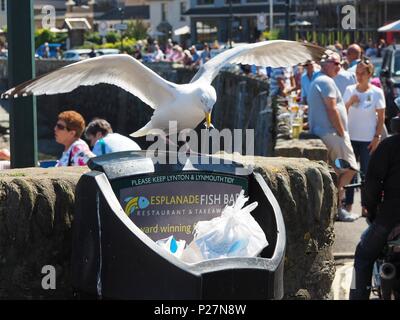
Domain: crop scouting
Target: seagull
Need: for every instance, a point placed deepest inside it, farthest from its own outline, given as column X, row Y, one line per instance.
column 186, row 104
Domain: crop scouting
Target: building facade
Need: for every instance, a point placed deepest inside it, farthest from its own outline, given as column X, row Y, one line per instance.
column 218, row 19
column 168, row 19
column 222, row 20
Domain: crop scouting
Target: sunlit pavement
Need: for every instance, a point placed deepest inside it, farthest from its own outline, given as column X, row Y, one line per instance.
column 347, row 236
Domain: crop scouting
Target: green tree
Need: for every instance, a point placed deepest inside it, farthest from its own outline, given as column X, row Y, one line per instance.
column 112, row 37
column 136, row 30
column 93, row 37
column 45, row 35
column 274, row 34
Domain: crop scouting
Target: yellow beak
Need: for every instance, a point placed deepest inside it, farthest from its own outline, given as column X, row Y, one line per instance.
column 208, row 119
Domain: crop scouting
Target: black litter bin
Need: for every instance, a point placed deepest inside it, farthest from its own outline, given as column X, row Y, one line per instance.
column 127, row 202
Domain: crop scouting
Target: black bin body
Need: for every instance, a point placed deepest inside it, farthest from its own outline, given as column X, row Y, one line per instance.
column 113, row 258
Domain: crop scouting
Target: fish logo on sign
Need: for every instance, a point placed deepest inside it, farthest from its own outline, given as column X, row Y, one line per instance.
column 133, row 203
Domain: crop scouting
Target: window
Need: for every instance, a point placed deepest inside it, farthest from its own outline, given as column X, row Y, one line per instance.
column 3, row 5
column 203, row 2
column 183, row 10
column 207, row 31
column 163, row 12
column 233, row 1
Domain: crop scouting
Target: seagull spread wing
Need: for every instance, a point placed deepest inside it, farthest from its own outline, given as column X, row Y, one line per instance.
column 120, row 70
column 276, row 53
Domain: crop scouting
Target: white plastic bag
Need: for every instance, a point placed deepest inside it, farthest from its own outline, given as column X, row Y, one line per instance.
column 172, row 246
column 234, row 234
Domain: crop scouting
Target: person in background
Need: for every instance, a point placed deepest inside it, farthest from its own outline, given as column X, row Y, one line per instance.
column 298, row 73
column 187, row 58
column 5, row 154
column 344, row 79
column 371, row 50
column 92, row 53
column 59, row 54
column 103, row 140
column 5, row 157
column 365, row 104
column 205, row 55
column 46, row 50
column 328, row 119
column 169, row 50
column 282, row 82
column 157, row 54
column 308, row 76
column 177, row 55
column 67, row 131
column 195, row 56
column 137, row 53
column 353, row 56
column 338, row 47
column 381, row 45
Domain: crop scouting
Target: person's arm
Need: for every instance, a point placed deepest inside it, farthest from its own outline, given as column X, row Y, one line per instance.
column 293, row 85
column 378, row 131
column 352, row 100
column 349, row 98
column 333, row 115
column 303, row 91
column 281, row 84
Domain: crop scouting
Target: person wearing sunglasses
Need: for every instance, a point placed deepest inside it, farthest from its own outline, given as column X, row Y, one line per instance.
column 67, row 131
column 328, row 120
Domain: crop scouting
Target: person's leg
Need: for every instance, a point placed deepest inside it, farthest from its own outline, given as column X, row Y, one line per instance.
column 349, row 200
column 340, row 148
column 345, row 178
column 367, row 251
column 364, row 160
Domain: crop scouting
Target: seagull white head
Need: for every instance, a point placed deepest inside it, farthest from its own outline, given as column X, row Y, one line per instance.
column 208, row 97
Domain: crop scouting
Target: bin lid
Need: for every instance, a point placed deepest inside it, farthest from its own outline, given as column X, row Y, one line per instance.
column 128, row 163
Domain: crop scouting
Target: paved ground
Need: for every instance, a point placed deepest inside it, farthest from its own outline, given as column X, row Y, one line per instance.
column 348, row 233
column 347, row 238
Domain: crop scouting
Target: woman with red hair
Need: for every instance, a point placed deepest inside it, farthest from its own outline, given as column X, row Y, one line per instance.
column 67, row 131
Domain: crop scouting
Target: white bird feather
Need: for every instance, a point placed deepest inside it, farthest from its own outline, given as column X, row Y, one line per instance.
column 186, row 104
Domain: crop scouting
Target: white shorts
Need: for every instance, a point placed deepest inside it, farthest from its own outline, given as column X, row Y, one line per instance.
column 340, row 148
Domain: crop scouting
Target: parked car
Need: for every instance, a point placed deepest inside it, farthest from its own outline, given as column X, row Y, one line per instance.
column 102, row 52
column 52, row 50
column 76, row 54
column 390, row 79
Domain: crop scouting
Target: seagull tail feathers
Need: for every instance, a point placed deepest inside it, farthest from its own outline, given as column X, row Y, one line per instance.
column 146, row 130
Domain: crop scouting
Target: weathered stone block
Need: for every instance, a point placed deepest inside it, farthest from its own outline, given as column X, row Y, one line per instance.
column 313, row 149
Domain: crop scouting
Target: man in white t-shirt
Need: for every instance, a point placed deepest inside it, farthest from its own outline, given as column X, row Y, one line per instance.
column 103, row 140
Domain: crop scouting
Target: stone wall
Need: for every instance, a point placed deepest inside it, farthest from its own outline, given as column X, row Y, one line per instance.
column 37, row 207
column 242, row 104
column 312, row 149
